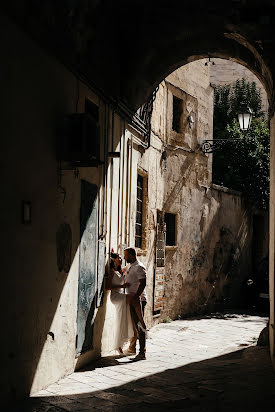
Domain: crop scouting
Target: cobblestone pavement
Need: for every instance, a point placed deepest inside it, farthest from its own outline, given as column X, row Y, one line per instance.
column 205, row 364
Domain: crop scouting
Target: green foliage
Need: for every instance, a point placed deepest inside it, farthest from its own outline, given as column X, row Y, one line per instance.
column 243, row 164
column 167, row 320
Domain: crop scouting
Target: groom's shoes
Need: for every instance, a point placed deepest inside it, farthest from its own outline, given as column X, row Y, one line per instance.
column 140, row 356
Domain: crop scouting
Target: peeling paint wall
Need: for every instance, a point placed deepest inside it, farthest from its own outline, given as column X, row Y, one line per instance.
column 178, row 178
column 214, row 228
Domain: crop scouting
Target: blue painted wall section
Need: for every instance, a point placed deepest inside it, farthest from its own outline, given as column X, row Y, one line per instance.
column 87, row 266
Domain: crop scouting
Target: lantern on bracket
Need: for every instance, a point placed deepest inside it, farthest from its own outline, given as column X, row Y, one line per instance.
column 244, row 117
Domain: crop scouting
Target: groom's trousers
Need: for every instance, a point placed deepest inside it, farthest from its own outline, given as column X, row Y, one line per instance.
column 141, row 334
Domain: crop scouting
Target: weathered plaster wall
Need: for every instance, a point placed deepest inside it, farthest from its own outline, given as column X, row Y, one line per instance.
column 36, row 91
column 212, row 255
column 40, row 324
column 177, row 182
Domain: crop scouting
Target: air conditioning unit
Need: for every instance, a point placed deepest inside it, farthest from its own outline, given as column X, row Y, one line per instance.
column 79, row 141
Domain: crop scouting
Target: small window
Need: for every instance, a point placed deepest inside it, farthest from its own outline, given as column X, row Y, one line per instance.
column 139, row 213
column 170, row 220
column 177, row 113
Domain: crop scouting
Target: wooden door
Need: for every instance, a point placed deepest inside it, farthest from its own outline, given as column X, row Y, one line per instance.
column 87, row 266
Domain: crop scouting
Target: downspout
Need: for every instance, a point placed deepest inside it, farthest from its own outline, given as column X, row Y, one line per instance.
column 130, row 192
column 122, row 161
column 119, row 190
column 149, row 136
column 166, row 115
column 122, row 184
column 111, row 201
column 111, row 187
column 106, row 139
column 127, row 193
column 102, row 232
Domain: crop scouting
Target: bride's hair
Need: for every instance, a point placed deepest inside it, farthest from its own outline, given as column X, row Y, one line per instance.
column 112, row 261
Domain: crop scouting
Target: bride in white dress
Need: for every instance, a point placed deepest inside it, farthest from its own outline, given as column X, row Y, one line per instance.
column 118, row 328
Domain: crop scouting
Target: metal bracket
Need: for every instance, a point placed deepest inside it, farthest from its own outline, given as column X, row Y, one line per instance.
column 208, row 146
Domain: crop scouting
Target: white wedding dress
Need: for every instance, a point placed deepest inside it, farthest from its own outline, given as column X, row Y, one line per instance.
column 118, row 328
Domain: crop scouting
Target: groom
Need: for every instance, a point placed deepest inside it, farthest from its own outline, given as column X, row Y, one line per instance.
column 136, row 277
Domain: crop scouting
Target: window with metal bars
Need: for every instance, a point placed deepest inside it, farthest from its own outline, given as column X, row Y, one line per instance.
column 139, row 213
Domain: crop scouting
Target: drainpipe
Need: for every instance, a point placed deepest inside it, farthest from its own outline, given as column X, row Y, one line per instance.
column 111, row 201
column 166, row 115
column 119, row 187
column 149, row 137
column 127, row 192
column 105, row 170
column 122, row 160
column 111, row 187
column 130, row 192
column 102, row 232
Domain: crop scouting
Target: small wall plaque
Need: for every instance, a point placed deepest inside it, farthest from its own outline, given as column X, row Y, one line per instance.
column 26, row 212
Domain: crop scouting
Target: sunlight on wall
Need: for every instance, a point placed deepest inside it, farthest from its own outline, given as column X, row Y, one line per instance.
column 59, row 347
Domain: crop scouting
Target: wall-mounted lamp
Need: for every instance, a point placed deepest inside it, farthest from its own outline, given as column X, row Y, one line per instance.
column 26, row 212
column 245, row 117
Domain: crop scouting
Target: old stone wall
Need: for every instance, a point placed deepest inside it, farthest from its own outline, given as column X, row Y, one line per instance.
column 214, row 228
column 178, row 174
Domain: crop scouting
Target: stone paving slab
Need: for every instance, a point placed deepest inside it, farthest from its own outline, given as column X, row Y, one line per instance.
column 202, row 364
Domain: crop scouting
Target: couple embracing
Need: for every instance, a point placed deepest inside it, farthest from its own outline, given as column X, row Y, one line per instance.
column 129, row 299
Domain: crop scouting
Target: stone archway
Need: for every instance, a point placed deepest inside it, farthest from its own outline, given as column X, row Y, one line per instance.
column 124, row 49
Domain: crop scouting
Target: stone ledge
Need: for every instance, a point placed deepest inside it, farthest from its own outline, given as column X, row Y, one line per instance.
column 226, row 190
column 171, row 248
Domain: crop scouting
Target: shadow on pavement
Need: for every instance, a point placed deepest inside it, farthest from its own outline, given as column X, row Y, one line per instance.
column 242, row 315
column 238, row 381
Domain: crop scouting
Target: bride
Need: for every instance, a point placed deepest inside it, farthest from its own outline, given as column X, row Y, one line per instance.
column 118, row 328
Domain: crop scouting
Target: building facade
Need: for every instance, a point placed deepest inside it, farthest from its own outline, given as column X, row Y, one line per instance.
column 207, row 254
